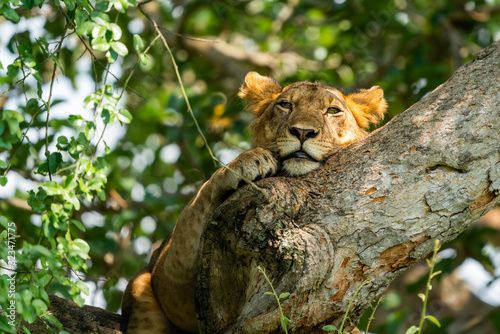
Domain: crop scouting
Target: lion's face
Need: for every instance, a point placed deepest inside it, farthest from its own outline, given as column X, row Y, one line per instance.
column 303, row 122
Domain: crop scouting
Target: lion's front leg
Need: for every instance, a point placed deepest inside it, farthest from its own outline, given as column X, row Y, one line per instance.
column 174, row 272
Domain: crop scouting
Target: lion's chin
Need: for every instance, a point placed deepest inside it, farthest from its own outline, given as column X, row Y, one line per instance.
column 298, row 166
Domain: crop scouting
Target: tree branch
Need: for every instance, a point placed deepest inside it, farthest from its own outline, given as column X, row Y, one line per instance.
column 372, row 211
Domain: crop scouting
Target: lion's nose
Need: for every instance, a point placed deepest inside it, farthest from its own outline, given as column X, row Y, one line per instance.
column 303, row 134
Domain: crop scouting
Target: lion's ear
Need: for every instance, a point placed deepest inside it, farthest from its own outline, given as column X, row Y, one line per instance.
column 368, row 106
column 258, row 91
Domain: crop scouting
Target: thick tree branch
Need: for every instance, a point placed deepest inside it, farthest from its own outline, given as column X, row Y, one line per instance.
column 370, row 213
column 79, row 320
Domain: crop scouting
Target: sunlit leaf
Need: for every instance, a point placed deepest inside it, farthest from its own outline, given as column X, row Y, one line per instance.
column 99, row 31
column 117, row 31
column 100, row 44
column 124, row 116
column 433, row 320
column 138, row 43
column 119, row 48
column 85, row 28
column 412, row 330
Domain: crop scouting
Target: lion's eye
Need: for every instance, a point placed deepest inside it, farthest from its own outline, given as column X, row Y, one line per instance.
column 285, row 105
column 333, row 110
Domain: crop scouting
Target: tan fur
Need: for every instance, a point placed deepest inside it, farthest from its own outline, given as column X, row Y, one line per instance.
column 293, row 133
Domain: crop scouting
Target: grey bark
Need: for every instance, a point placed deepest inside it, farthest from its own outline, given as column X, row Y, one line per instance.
column 375, row 209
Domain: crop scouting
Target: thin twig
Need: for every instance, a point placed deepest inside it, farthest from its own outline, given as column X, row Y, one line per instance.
column 22, row 69
column 53, row 79
column 190, row 110
column 197, row 39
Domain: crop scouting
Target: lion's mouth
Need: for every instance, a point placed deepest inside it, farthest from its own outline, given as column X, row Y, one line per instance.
column 299, row 155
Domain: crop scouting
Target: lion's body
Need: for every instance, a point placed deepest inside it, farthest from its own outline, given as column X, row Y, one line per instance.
column 296, row 129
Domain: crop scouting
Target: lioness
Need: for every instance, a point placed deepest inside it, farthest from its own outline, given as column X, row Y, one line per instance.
column 296, row 129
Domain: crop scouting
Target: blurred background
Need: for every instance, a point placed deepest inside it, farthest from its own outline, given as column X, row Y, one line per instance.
column 158, row 161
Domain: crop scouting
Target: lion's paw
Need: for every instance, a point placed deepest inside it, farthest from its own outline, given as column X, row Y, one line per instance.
column 251, row 165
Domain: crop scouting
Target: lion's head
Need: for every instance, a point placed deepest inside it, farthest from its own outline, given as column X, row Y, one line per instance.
column 302, row 123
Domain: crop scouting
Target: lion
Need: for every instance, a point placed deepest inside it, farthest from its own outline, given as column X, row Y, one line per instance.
column 297, row 127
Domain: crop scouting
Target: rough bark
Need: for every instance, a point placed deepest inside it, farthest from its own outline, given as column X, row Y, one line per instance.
column 375, row 209
column 370, row 213
column 79, row 320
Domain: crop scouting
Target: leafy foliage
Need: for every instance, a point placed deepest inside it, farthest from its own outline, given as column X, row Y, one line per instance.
column 95, row 176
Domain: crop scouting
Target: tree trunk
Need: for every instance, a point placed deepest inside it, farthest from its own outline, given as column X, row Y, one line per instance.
column 373, row 210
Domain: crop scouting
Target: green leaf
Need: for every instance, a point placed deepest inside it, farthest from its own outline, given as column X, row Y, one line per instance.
column 3, row 181
column 53, row 188
column 100, row 44
column 43, row 168
column 329, row 328
column 58, row 63
column 284, row 295
column 39, row 90
column 62, row 140
column 78, row 225
column 41, row 194
column 144, row 58
column 101, row 19
column 432, row 319
column 99, row 31
column 32, row 104
column 101, row 194
column 55, row 160
column 124, row 116
column 9, row 13
column 85, row 27
column 13, row 118
column 36, row 75
column 421, row 296
column 284, row 321
column 42, row 250
column 39, row 305
column 3, row 164
column 70, row 4
column 138, row 43
column 106, row 115
column 82, row 248
column 116, row 30
column 75, row 118
column 29, row 62
column 4, row 143
column 119, row 48
column 12, row 71
column 412, row 330
column 83, row 287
